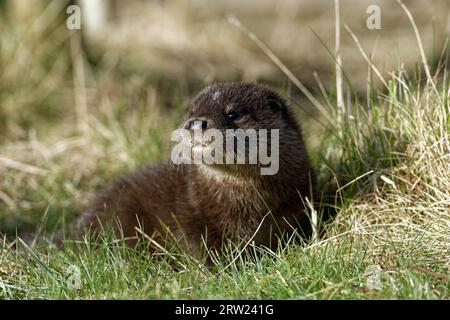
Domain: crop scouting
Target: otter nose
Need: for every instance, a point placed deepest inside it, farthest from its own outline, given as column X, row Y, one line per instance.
column 198, row 124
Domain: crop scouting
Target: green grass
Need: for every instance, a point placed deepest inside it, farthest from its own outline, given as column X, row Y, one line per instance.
column 384, row 167
column 331, row 271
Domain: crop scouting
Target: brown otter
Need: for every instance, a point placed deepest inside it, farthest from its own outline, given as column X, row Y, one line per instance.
column 223, row 201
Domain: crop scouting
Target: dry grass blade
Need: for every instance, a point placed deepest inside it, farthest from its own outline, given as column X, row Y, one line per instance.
column 245, row 246
column 272, row 56
column 79, row 82
column 338, row 67
column 13, row 164
column 419, row 43
column 160, row 247
column 369, row 62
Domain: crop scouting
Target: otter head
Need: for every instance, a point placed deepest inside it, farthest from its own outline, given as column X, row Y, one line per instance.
column 244, row 128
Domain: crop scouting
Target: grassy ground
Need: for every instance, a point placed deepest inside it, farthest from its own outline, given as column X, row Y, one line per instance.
column 384, row 165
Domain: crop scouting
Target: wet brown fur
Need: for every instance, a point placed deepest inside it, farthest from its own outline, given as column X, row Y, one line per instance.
column 223, row 201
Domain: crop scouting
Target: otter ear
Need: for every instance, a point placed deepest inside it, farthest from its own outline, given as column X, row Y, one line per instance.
column 275, row 104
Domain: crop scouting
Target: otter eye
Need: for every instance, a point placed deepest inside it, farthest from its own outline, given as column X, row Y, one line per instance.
column 231, row 116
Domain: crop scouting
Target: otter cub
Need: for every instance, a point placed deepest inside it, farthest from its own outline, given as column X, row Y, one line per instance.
column 210, row 203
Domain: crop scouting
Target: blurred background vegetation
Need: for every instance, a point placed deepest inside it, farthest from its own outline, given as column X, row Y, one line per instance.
column 79, row 107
